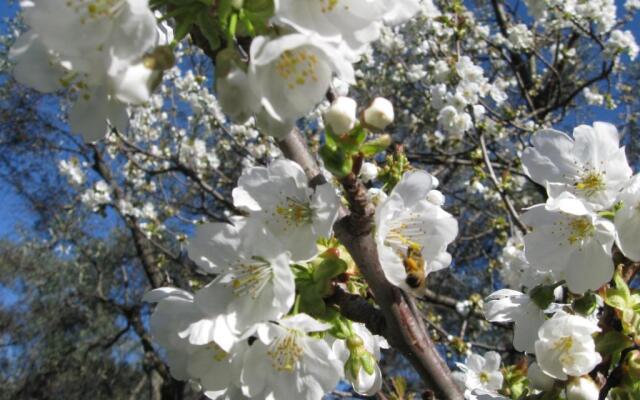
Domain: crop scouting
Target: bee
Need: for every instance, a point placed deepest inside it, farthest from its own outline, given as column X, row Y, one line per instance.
column 414, row 267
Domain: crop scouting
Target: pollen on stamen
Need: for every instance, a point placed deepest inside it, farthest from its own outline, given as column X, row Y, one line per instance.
column 581, row 228
column 285, row 352
column 295, row 212
column 591, row 182
column 250, row 279
column 297, row 67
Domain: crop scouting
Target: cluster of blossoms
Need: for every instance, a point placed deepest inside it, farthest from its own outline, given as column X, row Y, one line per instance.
column 592, row 204
column 288, row 74
column 243, row 334
column 106, row 53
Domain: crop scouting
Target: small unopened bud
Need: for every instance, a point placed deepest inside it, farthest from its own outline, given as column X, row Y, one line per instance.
column 379, row 114
column 582, row 388
column 538, row 379
column 354, row 342
column 237, row 4
column 341, row 115
column 368, row 172
column 435, row 197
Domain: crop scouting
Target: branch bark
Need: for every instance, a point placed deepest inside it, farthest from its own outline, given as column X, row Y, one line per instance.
column 401, row 326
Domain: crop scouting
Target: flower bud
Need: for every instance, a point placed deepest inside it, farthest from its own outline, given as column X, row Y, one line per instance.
column 538, row 379
column 435, row 197
column 582, row 388
column 368, row 172
column 354, row 343
column 379, row 114
column 341, row 115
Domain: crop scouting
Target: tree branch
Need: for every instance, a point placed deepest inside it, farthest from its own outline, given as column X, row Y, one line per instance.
column 402, row 328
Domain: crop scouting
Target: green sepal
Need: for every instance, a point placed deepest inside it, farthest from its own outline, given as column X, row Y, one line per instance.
column 612, row 343
column 336, row 161
column 375, row 146
column 329, row 269
column 543, row 296
column 368, row 362
column 586, row 304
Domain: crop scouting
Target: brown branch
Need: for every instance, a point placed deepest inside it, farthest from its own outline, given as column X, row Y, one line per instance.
column 401, row 327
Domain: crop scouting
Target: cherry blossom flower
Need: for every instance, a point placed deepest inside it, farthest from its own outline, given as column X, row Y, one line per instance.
column 278, row 198
column 254, row 282
column 627, row 220
column 355, row 22
column 290, row 74
column 341, row 115
column 508, row 305
column 286, row 363
column 413, row 232
column 591, row 165
column 576, row 247
column 565, row 346
column 480, row 372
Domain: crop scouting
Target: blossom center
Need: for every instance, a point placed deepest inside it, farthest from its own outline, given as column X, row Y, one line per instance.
column 564, row 346
column 329, row 5
column 285, row 352
column 404, row 233
column 484, row 377
column 591, row 182
column 297, row 67
column 295, row 212
column 95, row 9
column 250, row 279
column 217, row 352
column 581, row 228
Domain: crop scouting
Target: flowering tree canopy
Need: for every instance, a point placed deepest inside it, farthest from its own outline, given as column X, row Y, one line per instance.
column 276, row 199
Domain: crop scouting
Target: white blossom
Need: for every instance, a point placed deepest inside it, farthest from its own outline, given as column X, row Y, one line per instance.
column 290, row 74
column 582, row 388
column 508, row 305
column 254, row 280
column 591, row 165
column 278, row 199
column 413, row 232
column 480, row 372
column 286, row 363
column 627, row 220
column 576, row 247
column 565, row 346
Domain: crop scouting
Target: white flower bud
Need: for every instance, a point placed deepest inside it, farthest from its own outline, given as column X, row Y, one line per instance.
column 368, row 172
column 379, row 114
column 435, row 197
column 341, row 115
column 538, row 379
column 582, row 388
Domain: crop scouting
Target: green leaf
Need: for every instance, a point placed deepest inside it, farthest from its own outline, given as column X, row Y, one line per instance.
column 209, row 31
column 329, row 269
column 336, row 161
column 613, row 343
column 616, row 299
column 375, row 146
